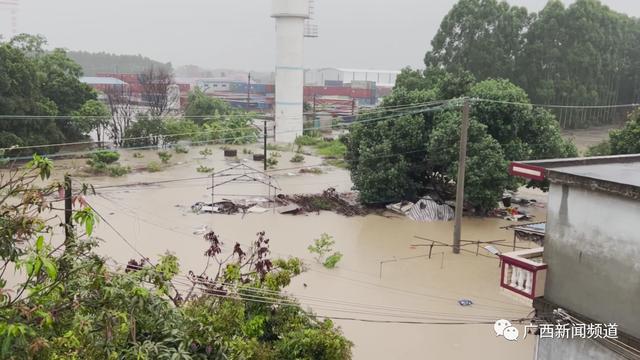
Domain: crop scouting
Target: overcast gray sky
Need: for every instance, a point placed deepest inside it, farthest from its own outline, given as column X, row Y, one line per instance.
column 377, row 34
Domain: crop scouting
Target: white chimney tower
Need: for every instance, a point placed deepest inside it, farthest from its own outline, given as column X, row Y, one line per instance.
column 290, row 18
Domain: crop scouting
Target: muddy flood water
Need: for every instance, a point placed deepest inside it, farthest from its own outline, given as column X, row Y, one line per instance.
column 412, row 291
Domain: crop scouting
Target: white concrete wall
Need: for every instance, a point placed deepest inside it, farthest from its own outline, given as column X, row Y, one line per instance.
column 592, row 248
column 290, row 16
column 574, row 349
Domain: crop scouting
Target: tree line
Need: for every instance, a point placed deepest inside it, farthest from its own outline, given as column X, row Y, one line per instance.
column 581, row 54
column 102, row 62
column 38, row 83
column 43, row 102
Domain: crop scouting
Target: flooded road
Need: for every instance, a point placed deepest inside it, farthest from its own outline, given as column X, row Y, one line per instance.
column 414, row 295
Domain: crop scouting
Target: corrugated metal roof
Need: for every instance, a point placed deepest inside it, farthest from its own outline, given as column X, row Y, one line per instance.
column 97, row 80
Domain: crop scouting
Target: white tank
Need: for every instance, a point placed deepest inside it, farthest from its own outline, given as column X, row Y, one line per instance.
column 290, row 16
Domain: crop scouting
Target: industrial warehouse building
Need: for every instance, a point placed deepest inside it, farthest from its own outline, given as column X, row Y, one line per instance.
column 340, row 76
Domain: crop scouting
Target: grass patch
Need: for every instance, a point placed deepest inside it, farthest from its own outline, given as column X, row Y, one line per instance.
column 154, row 166
column 314, row 170
column 180, row 149
column 339, row 163
column 276, row 147
column 204, row 169
column 206, row 152
column 321, row 203
column 272, row 162
column 164, row 156
column 332, row 149
column 297, row 158
column 117, row 170
column 105, row 156
column 308, row 140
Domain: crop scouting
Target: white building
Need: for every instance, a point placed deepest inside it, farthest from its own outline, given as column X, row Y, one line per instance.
column 290, row 16
column 320, row 77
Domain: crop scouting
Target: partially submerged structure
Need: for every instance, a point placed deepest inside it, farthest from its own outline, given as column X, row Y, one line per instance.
column 425, row 209
column 587, row 275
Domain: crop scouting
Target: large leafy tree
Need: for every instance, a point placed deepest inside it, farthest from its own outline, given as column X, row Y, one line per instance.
column 39, row 83
column 481, row 36
column 523, row 131
column 627, row 139
column 386, row 158
column 486, row 177
column 201, row 106
column 621, row 141
column 583, row 54
column 92, row 116
column 397, row 154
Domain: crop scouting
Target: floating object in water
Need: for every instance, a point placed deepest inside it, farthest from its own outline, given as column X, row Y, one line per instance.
column 465, row 302
column 201, row 231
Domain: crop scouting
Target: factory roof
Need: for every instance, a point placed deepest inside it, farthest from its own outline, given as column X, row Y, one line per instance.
column 362, row 70
column 618, row 174
column 98, row 80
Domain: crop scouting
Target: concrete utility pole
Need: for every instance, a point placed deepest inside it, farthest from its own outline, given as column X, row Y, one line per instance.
column 68, row 211
column 264, row 149
column 464, row 127
column 249, row 92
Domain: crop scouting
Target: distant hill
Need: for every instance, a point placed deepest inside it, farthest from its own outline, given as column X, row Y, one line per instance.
column 102, row 62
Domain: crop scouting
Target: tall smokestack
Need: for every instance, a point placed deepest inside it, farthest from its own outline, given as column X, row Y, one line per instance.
column 290, row 18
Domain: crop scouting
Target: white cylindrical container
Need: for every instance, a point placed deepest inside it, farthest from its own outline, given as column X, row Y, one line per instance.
column 289, row 101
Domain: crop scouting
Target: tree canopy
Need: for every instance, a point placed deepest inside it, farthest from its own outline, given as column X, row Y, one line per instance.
column 38, row 83
column 583, row 54
column 200, row 105
column 397, row 154
column 102, row 62
column 621, row 141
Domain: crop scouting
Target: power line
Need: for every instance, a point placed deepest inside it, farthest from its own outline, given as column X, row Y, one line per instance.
column 288, row 302
column 119, row 234
column 436, row 297
column 232, row 115
column 554, row 105
column 198, row 133
column 267, row 292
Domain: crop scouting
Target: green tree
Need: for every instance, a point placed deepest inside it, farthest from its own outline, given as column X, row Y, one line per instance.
column 102, row 62
column 390, row 161
column 92, row 116
column 524, row 132
column 39, row 83
column 144, row 131
column 396, row 146
column 481, row 36
column 200, row 106
column 486, row 175
column 583, row 54
column 627, row 139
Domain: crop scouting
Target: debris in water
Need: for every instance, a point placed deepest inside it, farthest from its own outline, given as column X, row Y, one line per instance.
column 329, row 200
column 221, row 207
column 289, row 209
column 202, row 230
column 426, row 209
column 257, row 210
column 465, row 302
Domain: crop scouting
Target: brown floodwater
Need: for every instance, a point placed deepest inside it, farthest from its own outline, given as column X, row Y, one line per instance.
column 157, row 218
